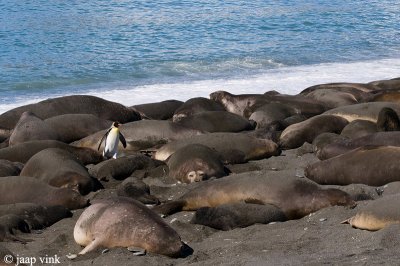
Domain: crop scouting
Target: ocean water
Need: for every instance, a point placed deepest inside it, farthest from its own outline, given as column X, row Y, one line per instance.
column 143, row 51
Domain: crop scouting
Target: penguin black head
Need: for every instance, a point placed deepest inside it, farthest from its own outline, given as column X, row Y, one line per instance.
column 116, row 124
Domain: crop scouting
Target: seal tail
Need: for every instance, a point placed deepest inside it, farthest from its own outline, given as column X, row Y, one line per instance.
column 170, row 207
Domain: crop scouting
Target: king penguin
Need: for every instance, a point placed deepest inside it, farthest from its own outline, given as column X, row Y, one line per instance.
column 111, row 139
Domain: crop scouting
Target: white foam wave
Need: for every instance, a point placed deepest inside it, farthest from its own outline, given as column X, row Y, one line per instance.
column 289, row 80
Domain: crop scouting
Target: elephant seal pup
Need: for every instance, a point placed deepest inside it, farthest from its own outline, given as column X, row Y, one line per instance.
column 75, row 104
column 358, row 128
column 359, row 166
column 35, row 215
column 365, row 111
column 30, row 127
column 71, row 127
column 271, row 112
column 377, row 214
column 233, row 147
column 10, row 223
column 388, row 120
column 8, row 168
column 20, row 189
column 142, row 135
column 194, row 163
column 217, row 121
column 24, row 151
column 341, row 146
column 124, row 222
column 324, row 139
column 158, row 111
column 297, row 134
column 233, row 215
column 122, row 167
column 194, row 106
column 296, row 197
column 135, row 188
column 59, row 168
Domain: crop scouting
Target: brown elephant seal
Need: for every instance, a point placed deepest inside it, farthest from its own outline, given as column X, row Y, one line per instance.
column 217, row 121
column 388, row 120
column 386, row 84
column 24, row 151
column 194, row 106
column 233, row 147
column 236, row 103
column 135, row 188
column 340, row 86
column 324, row 139
column 122, row 167
column 23, row 189
column 30, row 127
column 358, row 128
column 341, row 146
column 333, row 98
column 296, row 197
column 377, row 214
column 297, row 134
column 59, row 168
column 365, row 111
column 10, row 223
column 71, row 127
column 8, row 168
column 75, row 104
column 355, row 167
column 195, row 162
column 123, row 222
column 36, row 216
column 233, row 215
column 158, row 111
column 141, row 135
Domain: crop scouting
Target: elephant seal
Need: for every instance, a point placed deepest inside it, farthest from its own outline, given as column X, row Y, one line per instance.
column 124, row 222
column 296, row 197
column 355, row 167
column 195, row 162
column 72, row 127
column 341, row 146
column 24, row 151
column 365, row 111
column 35, row 215
column 195, row 106
column 142, row 135
column 297, row 134
column 10, row 223
column 122, row 167
column 30, row 127
column 341, row 86
column 233, row 147
column 135, row 188
column 271, row 112
column 20, row 189
column 8, row 168
column 386, row 84
column 388, row 120
column 158, row 111
column 334, row 98
column 59, row 168
column 217, row 121
column 233, row 215
column 358, row 128
column 377, row 214
column 75, row 104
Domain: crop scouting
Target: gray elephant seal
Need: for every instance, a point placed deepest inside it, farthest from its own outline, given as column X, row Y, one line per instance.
column 237, row 215
column 358, row 128
column 217, row 121
column 75, row 104
column 123, row 222
column 195, row 162
column 142, row 135
column 23, row 189
column 233, row 147
column 158, row 111
column 355, row 167
column 195, row 106
column 377, row 214
column 297, row 134
column 296, row 197
column 30, row 127
column 59, row 168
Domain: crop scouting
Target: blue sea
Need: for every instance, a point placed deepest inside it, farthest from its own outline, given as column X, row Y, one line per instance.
column 144, row 51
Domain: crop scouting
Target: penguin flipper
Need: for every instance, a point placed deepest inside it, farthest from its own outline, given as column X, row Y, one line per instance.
column 122, row 139
column 103, row 138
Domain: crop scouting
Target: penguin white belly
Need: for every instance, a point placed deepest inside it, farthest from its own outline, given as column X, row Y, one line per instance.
column 111, row 147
